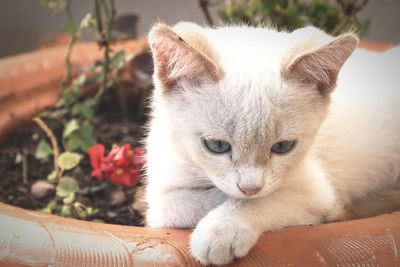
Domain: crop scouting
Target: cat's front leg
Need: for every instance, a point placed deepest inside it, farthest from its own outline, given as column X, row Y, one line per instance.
column 181, row 207
column 224, row 234
column 232, row 229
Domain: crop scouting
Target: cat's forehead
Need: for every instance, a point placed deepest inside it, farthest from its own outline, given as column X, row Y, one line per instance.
column 253, row 49
column 240, row 109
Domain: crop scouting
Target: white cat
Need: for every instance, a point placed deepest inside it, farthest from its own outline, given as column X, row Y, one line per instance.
column 246, row 136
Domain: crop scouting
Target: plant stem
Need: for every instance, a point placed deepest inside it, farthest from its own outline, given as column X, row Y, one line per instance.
column 71, row 44
column 204, row 7
column 53, row 141
column 105, row 38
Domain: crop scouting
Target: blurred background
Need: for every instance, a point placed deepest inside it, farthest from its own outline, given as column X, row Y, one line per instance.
column 25, row 24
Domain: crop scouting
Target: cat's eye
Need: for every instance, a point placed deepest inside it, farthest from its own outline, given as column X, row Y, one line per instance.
column 217, row 146
column 283, row 147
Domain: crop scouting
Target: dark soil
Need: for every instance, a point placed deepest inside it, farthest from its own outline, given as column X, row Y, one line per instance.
column 114, row 123
column 21, row 148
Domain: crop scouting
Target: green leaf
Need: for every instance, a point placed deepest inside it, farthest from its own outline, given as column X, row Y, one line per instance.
column 73, row 142
column 84, row 109
column 68, row 160
column 87, row 21
column 80, row 210
column 91, row 211
column 86, row 130
column 52, row 176
column 66, row 211
column 87, row 142
column 86, row 133
column 81, row 139
column 69, row 199
column 71, row 127
column 43, row 150
column 80, row 80
column 67, row 186
column 51, row 207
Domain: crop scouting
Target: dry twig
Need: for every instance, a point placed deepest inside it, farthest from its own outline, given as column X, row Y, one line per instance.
column 53, row 141
column 24, row 159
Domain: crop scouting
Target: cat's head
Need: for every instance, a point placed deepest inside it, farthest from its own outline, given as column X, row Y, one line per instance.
column 244, row 112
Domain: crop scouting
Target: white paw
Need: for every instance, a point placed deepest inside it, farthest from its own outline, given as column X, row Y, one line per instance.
column 220, row 240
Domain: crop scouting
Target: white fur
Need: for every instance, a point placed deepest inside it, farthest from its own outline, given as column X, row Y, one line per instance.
column 354, row 151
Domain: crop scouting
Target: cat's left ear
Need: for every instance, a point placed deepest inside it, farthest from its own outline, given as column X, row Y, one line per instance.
column 320, row 67
column 180, row 53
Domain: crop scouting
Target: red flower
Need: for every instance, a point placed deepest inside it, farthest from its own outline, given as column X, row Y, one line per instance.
column 127, row 177
column 121, row 156
column 121, row 166
column 96, row 155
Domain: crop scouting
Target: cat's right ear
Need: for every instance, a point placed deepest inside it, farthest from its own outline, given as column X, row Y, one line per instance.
column 175, row 59
column 321, row 66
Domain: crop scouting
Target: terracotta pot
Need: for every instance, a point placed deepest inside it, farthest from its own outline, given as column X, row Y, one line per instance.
column 29, row 83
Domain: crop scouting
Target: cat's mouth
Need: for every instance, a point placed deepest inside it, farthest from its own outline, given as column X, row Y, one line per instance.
column 237, row 191
column 262, row 192
column 249, row 190
column 268, row 189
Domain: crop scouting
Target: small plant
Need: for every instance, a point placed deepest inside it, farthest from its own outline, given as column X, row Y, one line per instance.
column 81, row 95
column 66, row 185
column 333, row 16
column 76, row 108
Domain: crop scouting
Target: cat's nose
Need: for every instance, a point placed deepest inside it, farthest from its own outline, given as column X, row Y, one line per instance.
column 249, row 190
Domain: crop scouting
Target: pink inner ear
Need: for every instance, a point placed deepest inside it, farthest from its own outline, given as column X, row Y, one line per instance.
column 174, row 59
column 165, row 62
column 322, row 66
column 317, row 68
